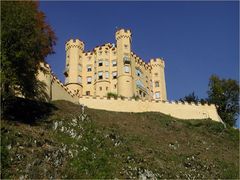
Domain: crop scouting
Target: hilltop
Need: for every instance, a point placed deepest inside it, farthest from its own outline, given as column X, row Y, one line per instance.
column 41, row 140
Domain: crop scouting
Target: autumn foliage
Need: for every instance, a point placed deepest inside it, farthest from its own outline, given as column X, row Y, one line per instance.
column 26, row 40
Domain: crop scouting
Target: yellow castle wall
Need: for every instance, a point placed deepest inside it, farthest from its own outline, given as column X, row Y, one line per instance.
column 178, row 110
column 55, row 90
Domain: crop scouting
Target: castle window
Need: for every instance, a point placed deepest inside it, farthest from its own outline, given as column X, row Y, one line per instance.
column 89, row 68
column 106, row 74
column 115, row 86
column 157, row 95
column 126, row 69
column 106, row 63
column 89, row 80
column 106, row 88
column 138, row 72
column 114, row 63
column 114, row 52
column 125, row 46
column 139, row 84
column 79, row 79
column 126, row 60
column 79, row 68
column 106, row 52
column 88, row 93
column 114, row 74
column 100, row 88
column 156, row 84
column 156, row 74
column 100, row 75
column 100, row 63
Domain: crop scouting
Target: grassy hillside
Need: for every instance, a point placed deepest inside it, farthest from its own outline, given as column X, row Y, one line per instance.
column 60, row 143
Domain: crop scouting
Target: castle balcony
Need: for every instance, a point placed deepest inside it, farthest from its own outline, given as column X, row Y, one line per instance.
column 126, row 60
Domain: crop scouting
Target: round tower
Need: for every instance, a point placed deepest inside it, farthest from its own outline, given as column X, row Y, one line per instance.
column 158, row 79
column 124, row 64
column 73, row 71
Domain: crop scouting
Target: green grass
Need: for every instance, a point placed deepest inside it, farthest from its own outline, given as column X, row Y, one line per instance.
column 108, row 145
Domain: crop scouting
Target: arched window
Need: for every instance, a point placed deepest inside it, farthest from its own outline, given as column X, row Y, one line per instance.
column 156, row 84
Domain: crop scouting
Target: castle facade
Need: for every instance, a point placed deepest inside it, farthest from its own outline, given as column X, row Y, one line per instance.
column 111, row 68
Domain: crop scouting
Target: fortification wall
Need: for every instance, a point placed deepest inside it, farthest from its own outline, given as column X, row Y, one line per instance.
column 175, row 109
column 55, row 89
column 61, row 92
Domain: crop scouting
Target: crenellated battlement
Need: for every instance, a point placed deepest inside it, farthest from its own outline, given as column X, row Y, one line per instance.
column 74, row 44
column 103, row 47
column 178, row 109
column 157, row 62
column 122, row 33
column 146, row 100
column 88, row 53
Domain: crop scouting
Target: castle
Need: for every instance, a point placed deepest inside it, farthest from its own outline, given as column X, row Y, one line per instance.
column 90, row 76
column 111, row 68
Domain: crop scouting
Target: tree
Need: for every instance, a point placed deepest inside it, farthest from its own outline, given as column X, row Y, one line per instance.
column 26, row 40
column 190, row 98
column 224, row 93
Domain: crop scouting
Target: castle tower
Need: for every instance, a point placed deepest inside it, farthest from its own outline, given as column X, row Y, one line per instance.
column 102, row 69
column 73, row 72
column 158, row 79
column 125, row 69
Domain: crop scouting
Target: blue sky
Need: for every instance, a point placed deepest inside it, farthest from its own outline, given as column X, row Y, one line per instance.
column 196, row 39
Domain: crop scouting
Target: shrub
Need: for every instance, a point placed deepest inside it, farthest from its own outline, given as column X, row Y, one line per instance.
column 122, row 97
column 110, row 94
column 136, row 97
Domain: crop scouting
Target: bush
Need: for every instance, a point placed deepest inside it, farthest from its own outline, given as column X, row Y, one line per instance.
column 136, row 97
column 122, row 97
column 110, row 94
